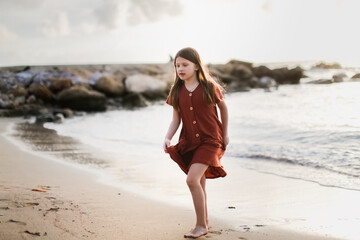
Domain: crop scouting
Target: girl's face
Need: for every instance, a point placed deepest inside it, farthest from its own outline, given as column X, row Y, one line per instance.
column 185, row 69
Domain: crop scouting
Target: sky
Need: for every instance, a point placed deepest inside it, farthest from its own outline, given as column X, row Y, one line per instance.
column 38, row 32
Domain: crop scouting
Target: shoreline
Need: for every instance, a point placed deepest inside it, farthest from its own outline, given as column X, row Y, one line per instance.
column 76, row 205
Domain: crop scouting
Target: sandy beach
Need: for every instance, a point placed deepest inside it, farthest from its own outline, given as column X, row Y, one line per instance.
column 45, row 199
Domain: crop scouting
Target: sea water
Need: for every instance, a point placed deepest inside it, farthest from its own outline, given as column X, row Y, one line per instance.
column 311, row 131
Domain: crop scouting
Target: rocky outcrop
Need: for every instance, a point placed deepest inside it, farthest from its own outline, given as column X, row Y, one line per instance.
column 328, row 65
column 38, row 90
column 242, row 76
column 81, row 98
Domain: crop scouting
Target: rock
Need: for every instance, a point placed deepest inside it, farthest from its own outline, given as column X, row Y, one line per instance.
column 7, row 81
column 59, row 84
column 242, row 72
column 119, row 75
column 81, row 98
column 40, row 91
column 339, row 77
column 153, row 70
column 228, row 68
column 59, row 118
column 24, row 78
column 110, row 86
column 327, row 65
column 47, row 117
column 19, row 91
column 237, row 85
column 20, row 100
column 226, row 78
column 4, row 97
column 79, row 73
column 140, row 83
column 133, row 100
column 288, row 76
column 262, row 71
column 66, row 112
column 356, row 76
column 215, row 71
column 42, row 78
column 31, row 99
column 2, row 103
column 322, row 81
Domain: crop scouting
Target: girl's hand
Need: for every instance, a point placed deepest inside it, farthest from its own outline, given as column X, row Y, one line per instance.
column 166, row 144
column 226, row 140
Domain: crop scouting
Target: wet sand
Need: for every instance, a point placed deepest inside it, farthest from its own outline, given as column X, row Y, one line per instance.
column 43, row 198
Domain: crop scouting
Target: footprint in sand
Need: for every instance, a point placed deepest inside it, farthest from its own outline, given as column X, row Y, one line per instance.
column 32, row 233
column 17, row 222
column 213, row 232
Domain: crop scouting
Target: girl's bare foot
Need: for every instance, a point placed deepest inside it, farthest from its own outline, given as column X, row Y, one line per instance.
column 197, row 232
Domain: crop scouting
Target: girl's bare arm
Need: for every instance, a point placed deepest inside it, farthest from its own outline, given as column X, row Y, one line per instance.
column 225, row 121
column 174, row 125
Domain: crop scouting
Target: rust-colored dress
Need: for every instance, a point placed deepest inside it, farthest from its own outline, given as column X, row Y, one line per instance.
column 201, row 136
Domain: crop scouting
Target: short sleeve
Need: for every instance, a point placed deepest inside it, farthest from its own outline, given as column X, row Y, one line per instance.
column 218, row 95
column 168, row 101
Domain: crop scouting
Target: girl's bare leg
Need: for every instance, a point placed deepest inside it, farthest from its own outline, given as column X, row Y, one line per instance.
column 193, row 180
column 203, row 185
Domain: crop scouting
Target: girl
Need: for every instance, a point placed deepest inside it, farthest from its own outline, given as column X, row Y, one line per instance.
column 203, row 138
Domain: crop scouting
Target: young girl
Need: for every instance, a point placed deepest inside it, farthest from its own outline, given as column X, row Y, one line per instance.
column 203, row 138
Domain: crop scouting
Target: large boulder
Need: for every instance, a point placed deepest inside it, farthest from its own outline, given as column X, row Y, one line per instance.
column 82, row 98
column 40, row 91
column 288, row 76
column 59, row 84
column 109, row 86
column 147, row 85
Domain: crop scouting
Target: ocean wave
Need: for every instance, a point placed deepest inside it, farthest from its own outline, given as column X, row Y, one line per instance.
column 314, row 165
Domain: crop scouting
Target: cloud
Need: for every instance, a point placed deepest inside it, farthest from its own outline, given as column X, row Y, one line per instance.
column 135, row 12
column 108, row 14
column 6, row 34
column 57, row 27
column 141, row 11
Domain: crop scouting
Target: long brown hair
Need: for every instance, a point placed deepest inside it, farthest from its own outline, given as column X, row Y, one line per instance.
column 207, row 82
